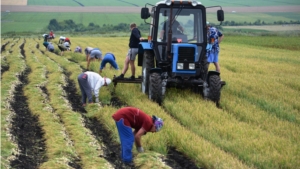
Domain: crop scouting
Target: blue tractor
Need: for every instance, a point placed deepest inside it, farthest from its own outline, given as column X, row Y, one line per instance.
column 175, row 53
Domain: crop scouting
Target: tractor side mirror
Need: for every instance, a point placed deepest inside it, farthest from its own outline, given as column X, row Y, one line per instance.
column 145, row 13
column 220, row 14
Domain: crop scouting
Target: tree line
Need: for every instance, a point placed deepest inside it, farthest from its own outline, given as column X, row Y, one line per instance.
column 258, row 22
column 70, row 25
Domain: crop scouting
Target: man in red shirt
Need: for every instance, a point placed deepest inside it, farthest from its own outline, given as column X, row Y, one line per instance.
column 130, row 117
column 51, row 35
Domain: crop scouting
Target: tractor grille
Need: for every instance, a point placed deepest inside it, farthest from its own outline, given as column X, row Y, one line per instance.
column 186, row 54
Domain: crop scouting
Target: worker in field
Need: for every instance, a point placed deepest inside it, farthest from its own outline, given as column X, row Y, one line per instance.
column 87, row 50
column 134, row 41
column 51, row 35
column 68, row 40
column 50, row 47
column 90, row 84
column 108, row 58
column 45, row 36
column 94, row 54
column 78, row 49
column 45, row 43
column 214, row 38
column 63, row 45
column 127, row 118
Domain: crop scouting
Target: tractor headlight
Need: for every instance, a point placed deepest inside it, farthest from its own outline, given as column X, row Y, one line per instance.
column 168, row 2
column 179, row 65
column 194, row 3
column 191, row 65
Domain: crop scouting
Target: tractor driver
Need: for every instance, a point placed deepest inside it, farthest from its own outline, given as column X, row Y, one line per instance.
column 175, row 26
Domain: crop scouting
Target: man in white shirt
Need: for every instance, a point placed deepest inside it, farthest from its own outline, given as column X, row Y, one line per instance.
column 90, row 83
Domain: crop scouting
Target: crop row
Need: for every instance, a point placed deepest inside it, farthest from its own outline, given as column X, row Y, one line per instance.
column 257, row 127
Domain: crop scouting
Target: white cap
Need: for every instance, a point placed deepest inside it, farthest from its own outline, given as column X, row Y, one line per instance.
column 107, row 80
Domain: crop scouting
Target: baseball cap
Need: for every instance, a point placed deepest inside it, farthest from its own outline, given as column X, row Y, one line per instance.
column 158, row 123
column 106, row 80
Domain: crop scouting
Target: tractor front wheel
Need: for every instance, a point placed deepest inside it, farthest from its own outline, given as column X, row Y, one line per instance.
column 155, row 88
column 148, row 63
column 214, row 93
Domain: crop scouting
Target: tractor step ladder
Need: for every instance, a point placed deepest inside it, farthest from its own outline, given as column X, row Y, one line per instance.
column 126, row 80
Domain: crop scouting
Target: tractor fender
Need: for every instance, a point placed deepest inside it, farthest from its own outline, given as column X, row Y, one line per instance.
column 157, row 70
column 142, row 47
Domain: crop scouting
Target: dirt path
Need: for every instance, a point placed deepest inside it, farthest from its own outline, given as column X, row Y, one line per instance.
column 119, row 9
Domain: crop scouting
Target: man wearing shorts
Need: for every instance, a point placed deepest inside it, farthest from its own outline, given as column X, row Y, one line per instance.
column 134, row 41
column 108, row 58
column 214, row 37
column 94, row 54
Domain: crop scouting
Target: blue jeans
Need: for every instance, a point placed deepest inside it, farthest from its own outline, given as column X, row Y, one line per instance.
column 127, row 139
column 109, row 58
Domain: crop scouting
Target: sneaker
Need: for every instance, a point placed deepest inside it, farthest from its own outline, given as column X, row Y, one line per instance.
column 132, row 78
column 120, row 77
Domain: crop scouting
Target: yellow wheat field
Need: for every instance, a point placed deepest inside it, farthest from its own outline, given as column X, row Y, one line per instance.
column 257, row 126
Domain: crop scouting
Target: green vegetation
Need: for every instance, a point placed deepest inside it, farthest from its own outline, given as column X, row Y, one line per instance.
column 71, row 26
column 38, row 22
column 240, row 18
column 90, row 3
column 142, row 3
column 257, row 127
column 8, row 81
column 257, row 106
column 33, row 22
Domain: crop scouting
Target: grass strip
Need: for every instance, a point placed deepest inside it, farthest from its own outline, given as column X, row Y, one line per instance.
column 9, row 81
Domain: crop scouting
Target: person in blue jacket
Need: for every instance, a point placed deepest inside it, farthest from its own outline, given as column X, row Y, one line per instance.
column 108, row 58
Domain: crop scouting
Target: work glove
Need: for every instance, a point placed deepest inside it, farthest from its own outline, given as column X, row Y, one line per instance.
column 97, row 100
column 140, row 149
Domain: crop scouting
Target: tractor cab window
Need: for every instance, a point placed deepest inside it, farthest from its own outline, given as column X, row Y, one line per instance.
column 186, row 25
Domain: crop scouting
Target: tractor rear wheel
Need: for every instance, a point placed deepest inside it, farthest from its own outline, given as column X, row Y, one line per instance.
column 155, row 88
column 148, row 63
column 214, row 88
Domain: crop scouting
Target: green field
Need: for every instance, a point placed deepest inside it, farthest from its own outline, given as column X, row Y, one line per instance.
column 37, row 22
column 142, row 3
column 258, row 125
column 268, row 18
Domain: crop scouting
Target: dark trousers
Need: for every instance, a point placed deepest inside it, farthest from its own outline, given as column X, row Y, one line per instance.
column 86, row 91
